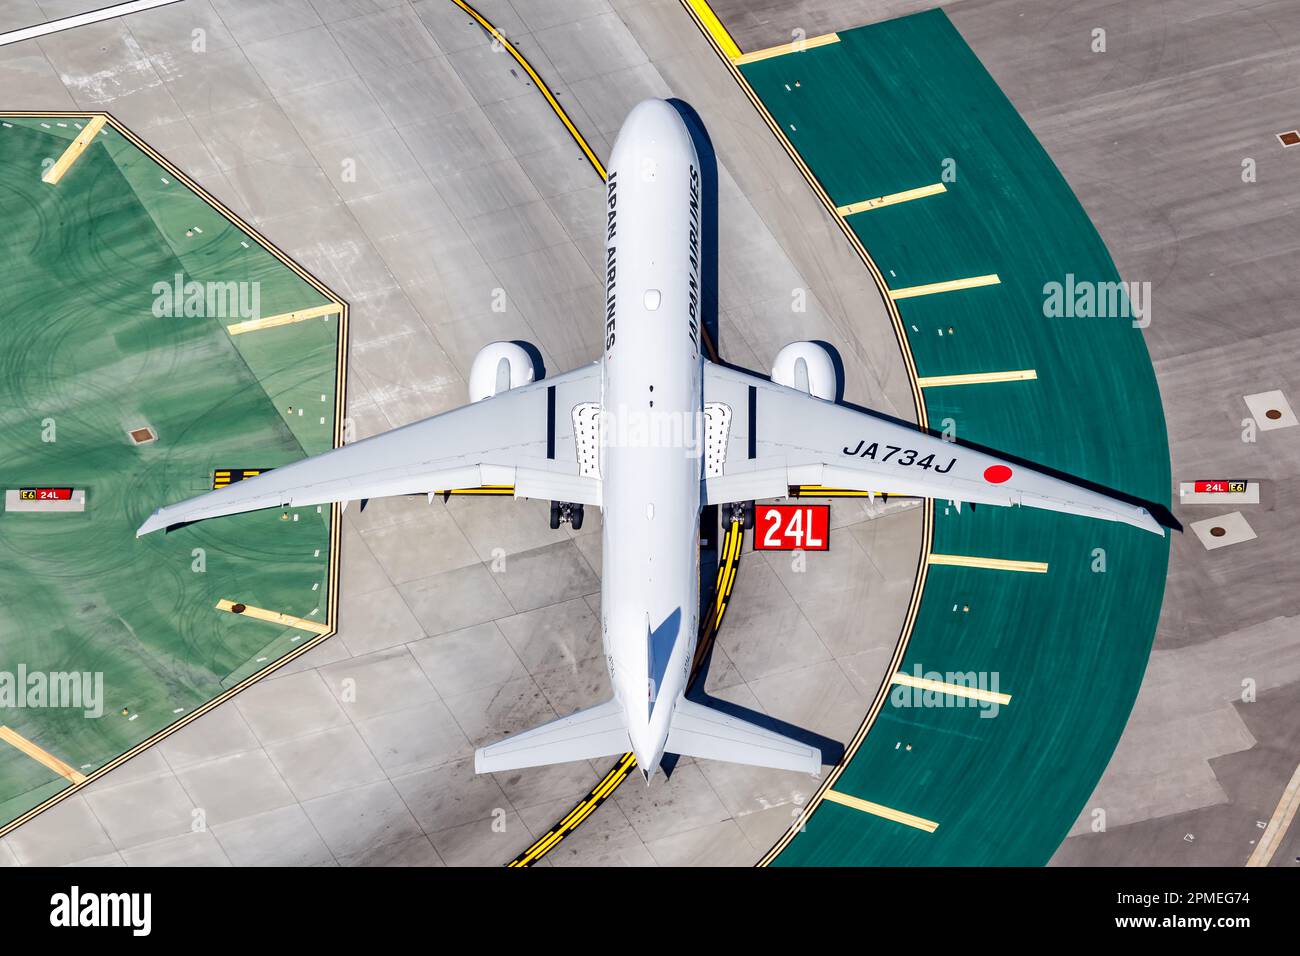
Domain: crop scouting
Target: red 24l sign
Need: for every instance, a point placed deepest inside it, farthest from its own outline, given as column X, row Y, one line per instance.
column 792, row 527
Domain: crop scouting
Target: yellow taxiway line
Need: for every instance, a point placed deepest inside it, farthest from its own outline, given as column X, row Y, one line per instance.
column 876, row 809
column 527, row 67
column 41, row 756
column 956, row 690
column 978, row 378
column 284, row 318
column 75, row 149
column 892, row 199
column 275, row 617
column 1278, row 824
column 993, row 564
column 952, row 285
column 731, row 548
column 798, row 46
column 715, row 28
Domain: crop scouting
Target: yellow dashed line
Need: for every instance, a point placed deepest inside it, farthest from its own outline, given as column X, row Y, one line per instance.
column 41, row 756
column 275, row 617
column 731, row 547
column 994, row 564
column 952, row 285
column 956, row 690
column 75, row 149
column 978, row 378
column 893, row 198
column 284, row 318
column 876, row 809
column 798, row 46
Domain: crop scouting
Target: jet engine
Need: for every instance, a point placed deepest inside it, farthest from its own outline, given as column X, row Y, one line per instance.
column 497, row 367
column 808, row 367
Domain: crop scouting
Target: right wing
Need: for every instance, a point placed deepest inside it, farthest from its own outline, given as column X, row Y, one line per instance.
column 782, row 436
column 522, row 437
column 700, row 731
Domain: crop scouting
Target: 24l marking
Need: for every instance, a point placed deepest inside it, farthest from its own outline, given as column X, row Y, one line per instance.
column 792, row 528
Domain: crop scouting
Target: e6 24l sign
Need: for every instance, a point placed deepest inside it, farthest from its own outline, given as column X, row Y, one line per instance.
column 792, row 527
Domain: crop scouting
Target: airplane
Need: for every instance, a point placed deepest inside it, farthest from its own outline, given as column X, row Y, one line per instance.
column 650, row 434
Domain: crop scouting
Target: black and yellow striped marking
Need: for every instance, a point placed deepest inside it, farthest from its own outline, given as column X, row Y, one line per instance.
column 228, row 476
column 731, row 545
column 820, row 491
column 484, row 490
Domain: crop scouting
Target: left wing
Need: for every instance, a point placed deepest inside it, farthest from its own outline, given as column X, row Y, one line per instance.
column 522, row 437
column 781, row 436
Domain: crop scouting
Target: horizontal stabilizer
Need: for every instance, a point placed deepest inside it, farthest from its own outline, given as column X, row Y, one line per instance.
column 699, row 731
column 595, row 732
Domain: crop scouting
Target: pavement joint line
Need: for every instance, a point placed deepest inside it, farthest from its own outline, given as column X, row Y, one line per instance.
column 978, row 378
column 798, row 46
column 879, row 810
column 956, row 690
column 992, row 564
column 81, row 19
column 719, row 33
column 952, row 285
column 1278, row 824
column 892, row 199
column 74, row 150
column 284, row 318
column 275, row 617
column 52, row 762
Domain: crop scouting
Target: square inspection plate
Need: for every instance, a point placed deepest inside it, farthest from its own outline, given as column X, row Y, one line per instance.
column 1270, row 410
column 1224, row 530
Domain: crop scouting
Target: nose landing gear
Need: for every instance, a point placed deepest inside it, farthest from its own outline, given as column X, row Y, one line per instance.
column 565, row 511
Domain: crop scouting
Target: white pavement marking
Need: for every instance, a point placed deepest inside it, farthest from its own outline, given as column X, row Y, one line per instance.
column 81, row 19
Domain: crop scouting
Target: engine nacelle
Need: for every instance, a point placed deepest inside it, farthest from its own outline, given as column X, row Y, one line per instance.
column 808, row 367
column 499, row 366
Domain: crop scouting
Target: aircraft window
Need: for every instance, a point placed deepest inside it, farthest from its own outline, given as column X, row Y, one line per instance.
column 652, row 299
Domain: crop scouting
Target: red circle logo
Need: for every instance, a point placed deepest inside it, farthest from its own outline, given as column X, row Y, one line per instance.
column 996, row 474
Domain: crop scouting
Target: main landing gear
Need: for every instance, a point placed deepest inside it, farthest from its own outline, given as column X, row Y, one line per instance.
column 565, row 511
column 742, row 511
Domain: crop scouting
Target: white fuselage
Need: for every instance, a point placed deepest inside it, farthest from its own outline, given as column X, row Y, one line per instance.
column 651, row 421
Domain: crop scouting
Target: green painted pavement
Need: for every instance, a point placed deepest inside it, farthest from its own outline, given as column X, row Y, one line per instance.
column 83, row 358
column 890, row 108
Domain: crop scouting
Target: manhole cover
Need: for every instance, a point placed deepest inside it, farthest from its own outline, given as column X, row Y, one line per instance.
column 1273, row 414
column 1216, row 532
column 241, row 608
column 142, row 436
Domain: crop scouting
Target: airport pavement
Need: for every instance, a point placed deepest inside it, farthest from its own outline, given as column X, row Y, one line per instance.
column 397, row 155
column 1168, row 137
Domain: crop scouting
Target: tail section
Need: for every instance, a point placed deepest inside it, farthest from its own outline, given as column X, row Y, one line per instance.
column 699, row 731
column 595, row 732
